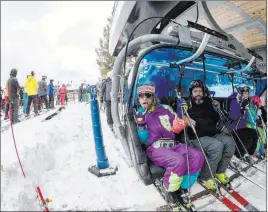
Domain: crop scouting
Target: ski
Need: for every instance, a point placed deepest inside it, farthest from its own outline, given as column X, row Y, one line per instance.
column 6, row 126
column 226, row 201
column 180, row 205
column 228, row 188
column 53, row 114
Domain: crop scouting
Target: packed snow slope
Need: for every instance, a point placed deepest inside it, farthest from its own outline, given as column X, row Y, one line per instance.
column 56, row 155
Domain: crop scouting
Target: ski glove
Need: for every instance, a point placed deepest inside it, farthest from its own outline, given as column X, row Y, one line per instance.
column 244, row 106
column 178, row 124
column 259, row 113
column 181, row 106
column 216, row 105
column 140, row 119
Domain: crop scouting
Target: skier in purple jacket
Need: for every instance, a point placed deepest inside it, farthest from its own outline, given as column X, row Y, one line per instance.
column 160, row 122
column 243, row 115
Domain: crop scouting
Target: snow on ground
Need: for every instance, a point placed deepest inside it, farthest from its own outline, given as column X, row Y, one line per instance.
column 56, row 155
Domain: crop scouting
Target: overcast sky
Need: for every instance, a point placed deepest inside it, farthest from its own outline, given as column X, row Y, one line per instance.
column 57, row 39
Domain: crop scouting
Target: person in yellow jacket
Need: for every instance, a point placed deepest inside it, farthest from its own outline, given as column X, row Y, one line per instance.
column 31, row 86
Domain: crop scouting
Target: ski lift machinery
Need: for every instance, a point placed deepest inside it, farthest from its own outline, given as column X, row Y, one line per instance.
column 203, row 40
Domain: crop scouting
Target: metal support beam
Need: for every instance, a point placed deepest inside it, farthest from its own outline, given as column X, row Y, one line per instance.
column 257, row 23
column 238, row 10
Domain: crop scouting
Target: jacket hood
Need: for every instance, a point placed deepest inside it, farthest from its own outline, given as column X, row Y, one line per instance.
column 233, row 95
column 30, row 78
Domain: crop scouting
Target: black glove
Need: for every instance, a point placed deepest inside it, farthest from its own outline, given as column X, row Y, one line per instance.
column 216, row 105
column 244, row 106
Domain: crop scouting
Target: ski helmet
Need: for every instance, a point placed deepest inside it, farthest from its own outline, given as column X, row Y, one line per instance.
column 13, row 72
column 196, row 84
column 256, row 100
column 243, row 88
column 32, row 73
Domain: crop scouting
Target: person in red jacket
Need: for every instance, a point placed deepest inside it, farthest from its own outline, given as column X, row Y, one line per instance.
column 63, row 92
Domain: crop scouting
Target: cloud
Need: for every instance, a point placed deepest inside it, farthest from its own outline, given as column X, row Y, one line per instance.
column 57, row 39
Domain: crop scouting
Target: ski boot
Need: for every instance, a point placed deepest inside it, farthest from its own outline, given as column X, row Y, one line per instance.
column 223, row 178
column 184, row 199
column 248, row 158
column 236, row 163
column 37, row 114
column 210, row 184
column 179, row 200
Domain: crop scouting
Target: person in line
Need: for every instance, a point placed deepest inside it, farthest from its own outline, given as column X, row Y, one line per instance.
column 218, row 146
column 32, row 88
column 51, row 94
column 13, row 96
column 63, row 92
column 42, row 93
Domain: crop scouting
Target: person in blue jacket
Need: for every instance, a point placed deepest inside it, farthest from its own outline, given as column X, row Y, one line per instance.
column 51, row 93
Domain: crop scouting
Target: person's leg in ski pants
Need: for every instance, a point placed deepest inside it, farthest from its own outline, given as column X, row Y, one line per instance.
column 6, row 107
column 62, row 99
column 14, row 110
column 249, row 139
column 51, row 102
column 109, row 114
column 175, row 162
column 25, row 102
column 34, row 99
column 219, row 151
column 45, row 100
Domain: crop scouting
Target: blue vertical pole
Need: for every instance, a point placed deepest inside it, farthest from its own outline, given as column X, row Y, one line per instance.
column 102, row 160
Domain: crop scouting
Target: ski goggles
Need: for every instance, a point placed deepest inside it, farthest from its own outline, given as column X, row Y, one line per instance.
column 245, row 89
column 195, row 84
column 147, row 95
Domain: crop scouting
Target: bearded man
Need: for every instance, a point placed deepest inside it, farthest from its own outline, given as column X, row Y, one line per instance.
column 218, row 146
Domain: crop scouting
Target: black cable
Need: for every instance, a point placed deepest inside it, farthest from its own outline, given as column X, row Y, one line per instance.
column 197, row 12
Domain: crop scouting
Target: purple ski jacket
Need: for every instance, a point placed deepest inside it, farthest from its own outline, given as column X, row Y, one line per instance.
column 239, row 120
column 159, row 123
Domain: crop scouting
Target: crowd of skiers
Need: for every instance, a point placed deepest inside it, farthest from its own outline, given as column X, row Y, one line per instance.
column 199, row 123
column 34, row 92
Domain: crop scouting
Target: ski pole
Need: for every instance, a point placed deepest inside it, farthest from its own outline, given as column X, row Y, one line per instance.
column 201, row 147
column 187, row 154
column 229, row 125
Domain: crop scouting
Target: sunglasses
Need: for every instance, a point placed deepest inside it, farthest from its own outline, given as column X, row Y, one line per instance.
column 147, row 95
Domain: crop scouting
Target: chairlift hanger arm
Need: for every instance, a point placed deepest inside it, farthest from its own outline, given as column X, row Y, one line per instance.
column 199, row 51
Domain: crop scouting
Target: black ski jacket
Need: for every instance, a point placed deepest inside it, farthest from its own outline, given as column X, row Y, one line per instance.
column 13, row 87
column 206, row 118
